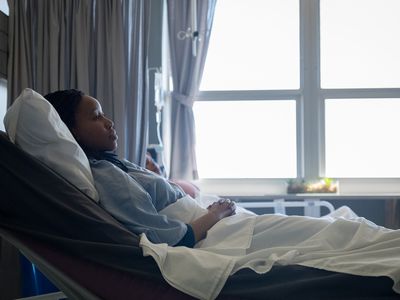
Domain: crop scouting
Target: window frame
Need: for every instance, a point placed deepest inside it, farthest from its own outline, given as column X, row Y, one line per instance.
column 310, row 123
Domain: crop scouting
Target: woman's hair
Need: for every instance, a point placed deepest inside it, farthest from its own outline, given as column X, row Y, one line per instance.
column 66, row 103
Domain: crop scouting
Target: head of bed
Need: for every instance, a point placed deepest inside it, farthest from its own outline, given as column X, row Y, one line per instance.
column 66, row 234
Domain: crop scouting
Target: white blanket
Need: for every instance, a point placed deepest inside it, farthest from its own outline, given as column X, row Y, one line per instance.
column 340, row 242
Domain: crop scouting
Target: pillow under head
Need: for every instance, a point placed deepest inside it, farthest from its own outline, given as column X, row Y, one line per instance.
column 32, row 123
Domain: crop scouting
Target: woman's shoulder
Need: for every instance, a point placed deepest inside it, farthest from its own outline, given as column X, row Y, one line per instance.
column 132, row 166
column 106, row 173
column 102, row 164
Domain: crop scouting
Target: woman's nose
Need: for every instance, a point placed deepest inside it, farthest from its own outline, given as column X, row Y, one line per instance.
column 110, row 123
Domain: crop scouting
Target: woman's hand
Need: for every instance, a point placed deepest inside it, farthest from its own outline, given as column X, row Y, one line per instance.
column 222, row 208
column 218, row 210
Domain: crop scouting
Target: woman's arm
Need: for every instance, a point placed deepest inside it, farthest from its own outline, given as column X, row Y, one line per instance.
column 126, row 200
column 216, row 211
column 131, row 205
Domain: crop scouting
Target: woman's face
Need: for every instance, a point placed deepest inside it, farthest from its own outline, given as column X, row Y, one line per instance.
column 92, row 129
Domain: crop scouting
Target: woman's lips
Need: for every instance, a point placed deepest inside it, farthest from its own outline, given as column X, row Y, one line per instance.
column 114, row 135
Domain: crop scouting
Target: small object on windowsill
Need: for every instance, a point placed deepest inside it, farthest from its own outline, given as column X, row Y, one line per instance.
column 322, row 186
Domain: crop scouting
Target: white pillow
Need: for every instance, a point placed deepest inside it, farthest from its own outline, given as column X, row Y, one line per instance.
column 33, row 123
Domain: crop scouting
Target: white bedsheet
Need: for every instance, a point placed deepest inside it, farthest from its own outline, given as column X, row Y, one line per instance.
column 340, row 241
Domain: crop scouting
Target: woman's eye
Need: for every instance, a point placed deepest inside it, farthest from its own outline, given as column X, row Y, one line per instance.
column 99, row 116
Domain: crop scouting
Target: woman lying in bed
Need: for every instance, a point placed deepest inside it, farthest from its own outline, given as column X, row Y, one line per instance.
column 157, row 210
column 133, row 195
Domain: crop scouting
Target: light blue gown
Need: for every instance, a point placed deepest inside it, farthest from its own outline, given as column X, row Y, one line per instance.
column 135, row 197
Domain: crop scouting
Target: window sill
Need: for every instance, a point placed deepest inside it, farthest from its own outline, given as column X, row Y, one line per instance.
column 276, row 188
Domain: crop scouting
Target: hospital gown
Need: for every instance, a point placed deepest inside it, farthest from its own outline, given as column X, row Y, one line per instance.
column 135, row 198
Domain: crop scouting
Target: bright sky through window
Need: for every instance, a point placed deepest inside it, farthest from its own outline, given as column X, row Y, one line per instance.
column 246, row 139
column 362, row 50
column 254, row 45
column 366, row 146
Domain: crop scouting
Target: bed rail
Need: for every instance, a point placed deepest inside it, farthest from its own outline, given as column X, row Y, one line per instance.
column 312, row 207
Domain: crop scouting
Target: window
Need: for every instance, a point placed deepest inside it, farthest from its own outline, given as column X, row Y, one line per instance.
column 301, row 88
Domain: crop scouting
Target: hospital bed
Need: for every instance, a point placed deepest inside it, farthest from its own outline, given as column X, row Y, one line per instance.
column 88, row 255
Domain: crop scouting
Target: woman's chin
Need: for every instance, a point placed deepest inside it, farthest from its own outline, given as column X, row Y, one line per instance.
column 115, row 146
column 110, row 148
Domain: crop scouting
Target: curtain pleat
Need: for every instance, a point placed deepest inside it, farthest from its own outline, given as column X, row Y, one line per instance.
column 138, row 63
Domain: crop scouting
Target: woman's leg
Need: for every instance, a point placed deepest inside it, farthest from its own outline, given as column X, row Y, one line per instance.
column 283, row 231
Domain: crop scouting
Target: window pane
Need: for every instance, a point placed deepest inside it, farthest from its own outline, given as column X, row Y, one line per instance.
column 362, row 137
column 246, row 139
column 254, row 45
column 360, row 44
